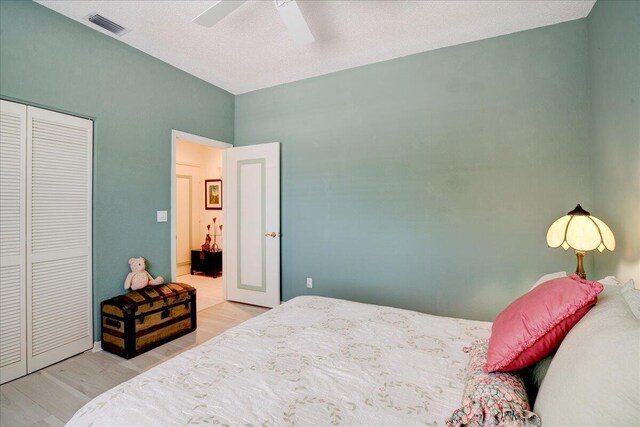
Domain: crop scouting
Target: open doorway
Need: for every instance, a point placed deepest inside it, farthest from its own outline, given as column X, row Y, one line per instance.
column 197, row 220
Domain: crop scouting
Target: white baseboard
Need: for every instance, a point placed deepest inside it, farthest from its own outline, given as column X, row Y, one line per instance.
column 97, row 346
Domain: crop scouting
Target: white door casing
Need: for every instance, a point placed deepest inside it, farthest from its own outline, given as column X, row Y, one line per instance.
column 184, row 224
column 197, row 188
column 197, row 201
column 251, row 186
column 58, row 241
column 13, row 173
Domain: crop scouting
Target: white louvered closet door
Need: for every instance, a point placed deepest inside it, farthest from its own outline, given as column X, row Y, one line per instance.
column 13, row 152
column 59, row 284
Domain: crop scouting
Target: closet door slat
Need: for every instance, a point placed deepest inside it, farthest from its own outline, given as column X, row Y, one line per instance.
column 13, row 146
column 59, row 161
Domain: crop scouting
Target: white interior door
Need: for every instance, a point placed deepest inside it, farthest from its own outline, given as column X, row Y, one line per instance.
column 183, row 224
column 251, row 186
column 59, row 274
column 13, row 318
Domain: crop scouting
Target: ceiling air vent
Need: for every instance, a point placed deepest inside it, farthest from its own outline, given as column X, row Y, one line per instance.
column 107, row 24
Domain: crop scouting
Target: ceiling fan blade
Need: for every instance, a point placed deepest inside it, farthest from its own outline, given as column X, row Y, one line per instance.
column 217, row 12
column 295, row 22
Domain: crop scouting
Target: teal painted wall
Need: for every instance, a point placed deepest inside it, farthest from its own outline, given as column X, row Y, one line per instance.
column 428, row 182
column 49, row 60
column 614, row 83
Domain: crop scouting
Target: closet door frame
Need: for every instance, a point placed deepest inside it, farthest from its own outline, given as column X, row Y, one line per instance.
column 19, row 368
column 57, row 354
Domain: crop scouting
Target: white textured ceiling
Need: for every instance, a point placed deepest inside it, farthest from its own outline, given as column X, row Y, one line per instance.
column 250, row 49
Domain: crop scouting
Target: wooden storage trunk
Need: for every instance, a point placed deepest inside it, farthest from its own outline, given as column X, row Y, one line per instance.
column 146, row 318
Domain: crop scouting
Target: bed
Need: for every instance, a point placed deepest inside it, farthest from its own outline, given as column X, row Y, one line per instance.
column 311, row 361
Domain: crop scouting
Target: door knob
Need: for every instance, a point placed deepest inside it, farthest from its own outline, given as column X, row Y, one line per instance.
column 272, row 234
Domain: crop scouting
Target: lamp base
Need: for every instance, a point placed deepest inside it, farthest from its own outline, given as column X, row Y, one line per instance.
column 580, row 268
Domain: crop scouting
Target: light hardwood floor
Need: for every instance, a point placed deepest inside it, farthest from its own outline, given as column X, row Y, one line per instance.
column 52, row 395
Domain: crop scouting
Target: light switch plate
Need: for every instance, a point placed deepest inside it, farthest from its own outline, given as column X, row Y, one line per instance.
column 161, row 216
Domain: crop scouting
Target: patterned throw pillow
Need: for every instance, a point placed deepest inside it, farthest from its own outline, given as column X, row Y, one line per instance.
column 491, row 399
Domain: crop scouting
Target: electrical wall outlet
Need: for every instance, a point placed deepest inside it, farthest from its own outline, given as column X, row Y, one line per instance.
column 309, row 282
column 161, row 216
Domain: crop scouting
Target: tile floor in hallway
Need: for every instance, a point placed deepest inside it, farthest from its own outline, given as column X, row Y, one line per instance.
column 208, row 289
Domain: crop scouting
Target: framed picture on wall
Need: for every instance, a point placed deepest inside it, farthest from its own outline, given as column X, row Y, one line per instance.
column 213, row 194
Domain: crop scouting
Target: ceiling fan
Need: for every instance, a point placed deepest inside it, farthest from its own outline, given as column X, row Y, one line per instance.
column 288, row 10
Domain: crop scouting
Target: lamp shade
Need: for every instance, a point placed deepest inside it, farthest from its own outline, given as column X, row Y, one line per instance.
column 581, row 231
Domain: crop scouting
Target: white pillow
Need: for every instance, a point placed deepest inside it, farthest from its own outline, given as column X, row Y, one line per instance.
column 611, row 281
column 593, row 379
column 632, row 295
column 548, row 277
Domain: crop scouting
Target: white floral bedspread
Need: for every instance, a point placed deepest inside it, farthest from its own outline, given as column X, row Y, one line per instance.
column 312, row 361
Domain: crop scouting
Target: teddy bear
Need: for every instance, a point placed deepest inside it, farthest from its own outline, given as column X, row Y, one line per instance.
column 139, row 277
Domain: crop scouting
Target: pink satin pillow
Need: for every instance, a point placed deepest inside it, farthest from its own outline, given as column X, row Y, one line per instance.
column 535, row 324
